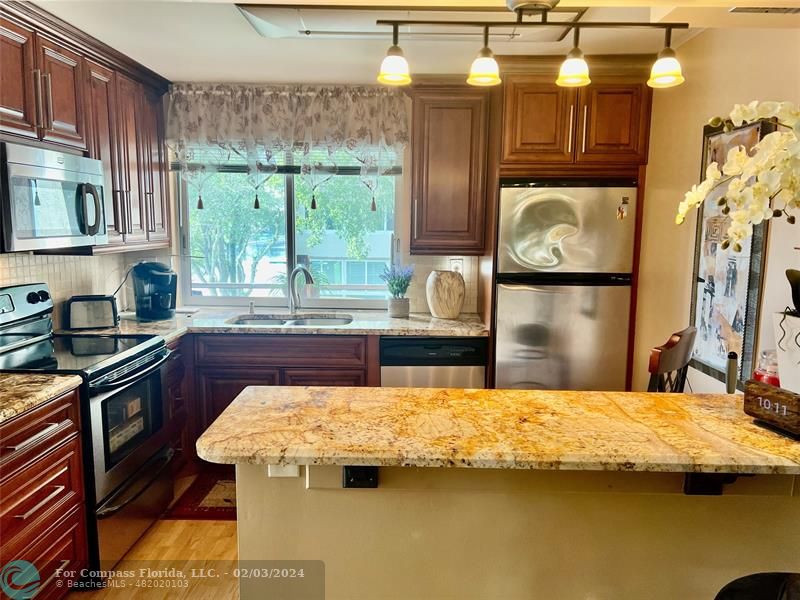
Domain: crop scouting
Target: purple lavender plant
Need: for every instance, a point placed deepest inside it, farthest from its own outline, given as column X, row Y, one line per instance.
column 397, row 279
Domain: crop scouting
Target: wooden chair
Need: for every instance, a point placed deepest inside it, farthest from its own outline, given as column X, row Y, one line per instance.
column 670, row 362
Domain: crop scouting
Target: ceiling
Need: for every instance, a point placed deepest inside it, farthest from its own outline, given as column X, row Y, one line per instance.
column 216, row 41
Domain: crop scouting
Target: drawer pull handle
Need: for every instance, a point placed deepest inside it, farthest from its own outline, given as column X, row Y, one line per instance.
column 34, row 438
column 57, row 491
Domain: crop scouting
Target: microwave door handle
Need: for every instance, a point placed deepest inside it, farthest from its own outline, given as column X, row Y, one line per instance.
column 92, row 190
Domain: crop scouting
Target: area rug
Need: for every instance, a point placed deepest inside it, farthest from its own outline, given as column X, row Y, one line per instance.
column 211, row 496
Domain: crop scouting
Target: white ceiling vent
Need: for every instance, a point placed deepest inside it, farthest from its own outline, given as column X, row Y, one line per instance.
column 767, row 10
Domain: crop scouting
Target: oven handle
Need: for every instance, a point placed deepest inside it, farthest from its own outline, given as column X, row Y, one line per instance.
column 105, row 513
column 104, row 387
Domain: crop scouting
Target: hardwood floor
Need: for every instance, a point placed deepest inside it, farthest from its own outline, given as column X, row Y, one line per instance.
column 182, row 545
column 196, row 548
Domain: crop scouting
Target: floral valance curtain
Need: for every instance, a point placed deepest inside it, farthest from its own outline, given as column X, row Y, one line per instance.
column 211, row 127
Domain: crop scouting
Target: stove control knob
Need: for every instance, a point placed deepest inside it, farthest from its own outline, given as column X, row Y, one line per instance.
column 33, row 298
column 44, row 296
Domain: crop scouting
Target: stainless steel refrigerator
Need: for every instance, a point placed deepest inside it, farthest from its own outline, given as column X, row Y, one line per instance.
column 565, row 260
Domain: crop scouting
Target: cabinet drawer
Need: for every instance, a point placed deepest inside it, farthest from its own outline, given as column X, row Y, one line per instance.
column 63, row 545
column 37, row 495
column 329, row 377
column 281, row 350
column 25, row 437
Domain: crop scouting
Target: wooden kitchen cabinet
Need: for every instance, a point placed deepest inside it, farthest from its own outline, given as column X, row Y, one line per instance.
column 42, row 508
column 64, row 120
column 64, row 89
column 538, row 120
column 217, row 388
column 226, row 364
column 18, row 107
column 449, row 170
column 614, row 123
column 179, row 402
column 606, row 122
column 102, row 96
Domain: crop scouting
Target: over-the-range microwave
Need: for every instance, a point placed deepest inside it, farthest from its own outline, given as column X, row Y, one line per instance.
column 50, row 200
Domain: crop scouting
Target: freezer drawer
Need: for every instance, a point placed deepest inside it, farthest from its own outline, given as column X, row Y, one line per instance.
column 566, row 229
column 562, row 337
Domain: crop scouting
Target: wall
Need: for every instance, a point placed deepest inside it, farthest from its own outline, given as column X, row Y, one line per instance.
column 722, row 67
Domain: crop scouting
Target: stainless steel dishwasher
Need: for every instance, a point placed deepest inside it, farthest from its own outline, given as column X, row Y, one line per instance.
column 433, row 362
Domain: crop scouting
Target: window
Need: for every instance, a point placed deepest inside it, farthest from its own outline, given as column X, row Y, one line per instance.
column 237, row 253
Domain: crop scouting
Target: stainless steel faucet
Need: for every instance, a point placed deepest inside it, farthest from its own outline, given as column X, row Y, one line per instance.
column 294, row 295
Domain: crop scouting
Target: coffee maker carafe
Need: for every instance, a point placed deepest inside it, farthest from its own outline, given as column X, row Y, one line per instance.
column 155, row 286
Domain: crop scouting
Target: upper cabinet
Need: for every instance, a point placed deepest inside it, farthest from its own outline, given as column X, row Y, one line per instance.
column 614, row 122
column 538, row 120
column 18, row 103
column 62, row 86
column 606, row 122
column 449, row 170
column 63, row 89
column 41, row 95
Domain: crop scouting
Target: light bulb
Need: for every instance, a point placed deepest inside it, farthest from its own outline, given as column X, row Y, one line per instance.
column 574, row 71
column 394, row 68
column 666, row 71
column 484, row 71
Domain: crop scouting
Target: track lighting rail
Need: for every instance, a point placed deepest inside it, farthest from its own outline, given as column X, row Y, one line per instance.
column 563, row 25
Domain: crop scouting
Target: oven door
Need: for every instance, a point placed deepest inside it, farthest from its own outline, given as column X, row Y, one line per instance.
column 127, row 421
column 48, row 209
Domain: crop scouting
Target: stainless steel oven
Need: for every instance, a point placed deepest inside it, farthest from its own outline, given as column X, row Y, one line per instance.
column 50, row 200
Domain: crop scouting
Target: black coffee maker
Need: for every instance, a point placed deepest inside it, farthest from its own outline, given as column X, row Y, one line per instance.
column 155, row 286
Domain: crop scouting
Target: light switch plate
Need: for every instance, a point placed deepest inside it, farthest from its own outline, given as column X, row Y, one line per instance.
column 457, row 264
column 283, row 471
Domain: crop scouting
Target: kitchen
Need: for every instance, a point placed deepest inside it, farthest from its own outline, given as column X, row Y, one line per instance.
column 234, row 261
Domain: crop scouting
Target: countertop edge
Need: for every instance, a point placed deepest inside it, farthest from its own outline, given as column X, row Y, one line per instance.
column 60, row 384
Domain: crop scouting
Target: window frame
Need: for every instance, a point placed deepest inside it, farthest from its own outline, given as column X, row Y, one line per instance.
column 289, row 172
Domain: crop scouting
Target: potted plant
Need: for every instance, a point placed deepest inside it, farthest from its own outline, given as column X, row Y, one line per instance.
column 397, row 280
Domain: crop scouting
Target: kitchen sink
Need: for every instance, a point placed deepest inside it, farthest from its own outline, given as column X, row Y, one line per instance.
column 308, row 320
column 263, row 320
column 320, row 321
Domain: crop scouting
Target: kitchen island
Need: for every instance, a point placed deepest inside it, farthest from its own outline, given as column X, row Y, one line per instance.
column 510, row 494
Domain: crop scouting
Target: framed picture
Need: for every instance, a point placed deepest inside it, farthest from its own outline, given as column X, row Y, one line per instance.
column 727, row 290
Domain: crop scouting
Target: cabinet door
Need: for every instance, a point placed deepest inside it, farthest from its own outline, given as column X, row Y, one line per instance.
column 129, row 98
column 332, row 377
column 614, row 123
column 62, row 87
column 448, row 171
column 154, row 168
column 538, row 121
column 217, row 388
column 18, row 108
column 103, row 144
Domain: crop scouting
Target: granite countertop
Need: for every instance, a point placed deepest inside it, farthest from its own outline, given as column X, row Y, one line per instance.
column 364, row 323
column 506, row 429
column 22, row 391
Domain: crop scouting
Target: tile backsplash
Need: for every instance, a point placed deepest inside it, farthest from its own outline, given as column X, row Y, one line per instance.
column 65, row 275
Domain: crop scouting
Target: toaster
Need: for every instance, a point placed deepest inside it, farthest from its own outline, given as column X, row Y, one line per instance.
column 90, row 312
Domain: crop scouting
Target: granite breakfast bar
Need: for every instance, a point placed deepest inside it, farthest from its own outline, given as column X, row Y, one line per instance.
column 571, row 494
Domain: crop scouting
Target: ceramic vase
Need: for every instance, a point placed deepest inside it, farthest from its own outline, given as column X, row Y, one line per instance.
column 398, row 308
column 445, row 291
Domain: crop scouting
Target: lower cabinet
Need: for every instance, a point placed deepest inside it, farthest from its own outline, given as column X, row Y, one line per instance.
column 178, row 402
column 346, row 361
column 42, row 508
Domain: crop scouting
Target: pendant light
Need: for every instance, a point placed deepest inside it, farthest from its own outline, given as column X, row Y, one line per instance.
column 574, row 71
column 666, row 71
column 484, row 71
column 394, row 68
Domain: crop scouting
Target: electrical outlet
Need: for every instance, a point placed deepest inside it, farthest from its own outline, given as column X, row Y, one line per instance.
column 457, row 264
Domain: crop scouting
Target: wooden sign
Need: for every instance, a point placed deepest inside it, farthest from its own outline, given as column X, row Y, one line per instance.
column 772, row 405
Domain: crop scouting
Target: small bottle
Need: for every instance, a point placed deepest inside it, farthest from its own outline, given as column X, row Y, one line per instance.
column 767, row 369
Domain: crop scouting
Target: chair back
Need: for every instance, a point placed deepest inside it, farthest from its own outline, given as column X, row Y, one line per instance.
column 669, row 363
